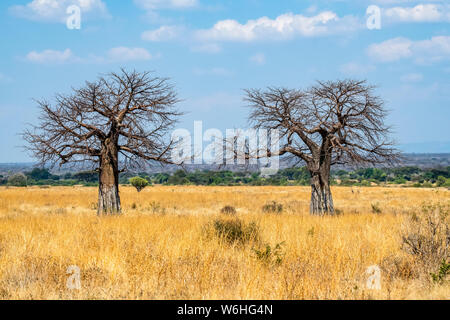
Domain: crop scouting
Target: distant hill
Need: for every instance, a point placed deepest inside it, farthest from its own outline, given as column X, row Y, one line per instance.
column 422, row 160
column 426, row 160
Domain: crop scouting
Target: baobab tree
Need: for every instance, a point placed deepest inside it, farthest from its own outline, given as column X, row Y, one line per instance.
column 340, row 122
column 117, row 122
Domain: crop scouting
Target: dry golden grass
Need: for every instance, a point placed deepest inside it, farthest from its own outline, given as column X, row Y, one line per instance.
column 158, row 249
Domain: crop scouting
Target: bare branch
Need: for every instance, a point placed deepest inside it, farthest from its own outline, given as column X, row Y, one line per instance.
column 131, row 111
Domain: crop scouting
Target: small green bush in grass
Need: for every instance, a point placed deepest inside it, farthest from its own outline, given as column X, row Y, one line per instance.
column 139, row 183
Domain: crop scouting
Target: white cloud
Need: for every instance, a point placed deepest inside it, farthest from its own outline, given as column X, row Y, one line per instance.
column 286, row 26
column 391, row 50
column 166, row 4
column 122, row 54
column 119, row 54
column 356, row 69
column 52, row 57
column 55, row 10
column 423, row 51
column 419, row 13
column 412, row 77
column 434, row 50
column 164, row 33
column 258, row 58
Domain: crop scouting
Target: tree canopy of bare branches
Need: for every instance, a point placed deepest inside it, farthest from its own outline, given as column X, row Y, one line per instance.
column 334, row 122
column 121, row 119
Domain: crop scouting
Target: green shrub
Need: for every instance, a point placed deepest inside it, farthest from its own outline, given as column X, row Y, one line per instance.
column 427, row 184
column 444, row 271
column 442, row 182
column 365, row 183
column 273, row 207
column 17, row 180
column 400, row 181
column 270, row 256
column 139, row 183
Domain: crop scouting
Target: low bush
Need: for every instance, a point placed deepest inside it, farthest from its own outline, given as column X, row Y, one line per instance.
column 426, row 236
column 228, row 210
column 273, row 207
column 17, row 180
column 234, row 231
column 270, row 256
column 398, row 267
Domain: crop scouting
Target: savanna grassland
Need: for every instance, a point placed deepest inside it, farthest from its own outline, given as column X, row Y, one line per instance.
column 168, row 244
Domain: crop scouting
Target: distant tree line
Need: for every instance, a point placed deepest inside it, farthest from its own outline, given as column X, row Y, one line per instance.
column 411, row 176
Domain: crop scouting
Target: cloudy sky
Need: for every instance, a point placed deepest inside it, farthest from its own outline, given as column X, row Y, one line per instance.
column 212, row 50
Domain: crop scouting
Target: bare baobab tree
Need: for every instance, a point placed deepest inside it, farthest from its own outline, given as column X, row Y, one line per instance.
column 117, row 122
column 339, row 122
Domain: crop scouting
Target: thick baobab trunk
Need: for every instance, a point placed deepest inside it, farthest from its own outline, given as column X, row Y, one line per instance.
column 108, row 193
column 321, row 198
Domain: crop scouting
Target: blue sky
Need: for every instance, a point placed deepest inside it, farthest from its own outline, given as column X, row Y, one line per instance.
column 213, row 49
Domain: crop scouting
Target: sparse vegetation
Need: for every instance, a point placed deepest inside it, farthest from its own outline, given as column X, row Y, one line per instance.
column 155, row 207
column 143, row 255
column 426, row 236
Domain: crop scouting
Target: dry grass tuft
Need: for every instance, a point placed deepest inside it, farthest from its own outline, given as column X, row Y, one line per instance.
column 228, row 210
